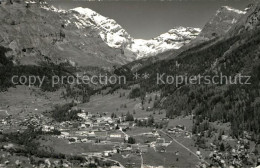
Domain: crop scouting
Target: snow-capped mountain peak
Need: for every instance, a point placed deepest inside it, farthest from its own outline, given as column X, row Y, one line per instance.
column 117, row 37
column 85, row 11
column 172, row 40
column 111, row 32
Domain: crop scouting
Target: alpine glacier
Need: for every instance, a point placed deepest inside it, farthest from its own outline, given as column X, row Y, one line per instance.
column 117, row 37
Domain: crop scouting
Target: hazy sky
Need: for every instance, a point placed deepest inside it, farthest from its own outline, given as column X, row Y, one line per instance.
column 150, row 18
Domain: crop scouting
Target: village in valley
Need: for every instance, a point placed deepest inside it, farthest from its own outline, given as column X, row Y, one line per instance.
column 119, row 140
column 93, row 135
column 62, row 104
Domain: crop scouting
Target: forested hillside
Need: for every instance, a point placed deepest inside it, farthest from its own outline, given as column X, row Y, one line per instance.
column 235, row 103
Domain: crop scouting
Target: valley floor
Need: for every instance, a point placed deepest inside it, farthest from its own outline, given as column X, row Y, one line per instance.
column 111, row 130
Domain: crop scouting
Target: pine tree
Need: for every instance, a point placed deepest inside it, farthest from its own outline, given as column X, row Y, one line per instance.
column 222, row 147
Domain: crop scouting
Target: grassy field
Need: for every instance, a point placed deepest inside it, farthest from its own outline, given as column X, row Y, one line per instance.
column 169, row 159
column 138, row 130
column 184, row 159
column 113, row 103
column 62, row 146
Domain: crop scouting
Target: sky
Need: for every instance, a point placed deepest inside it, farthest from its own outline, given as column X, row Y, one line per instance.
column 146, row 19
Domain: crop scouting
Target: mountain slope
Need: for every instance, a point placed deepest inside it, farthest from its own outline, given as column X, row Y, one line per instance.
column 36, row 34
column 227, row 55
column 219, row 25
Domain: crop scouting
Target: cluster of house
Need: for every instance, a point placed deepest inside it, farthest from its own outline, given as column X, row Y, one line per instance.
column 93, row 128
column 20, row 124
column 42, row 163
column 178, row 130
column 124, row 149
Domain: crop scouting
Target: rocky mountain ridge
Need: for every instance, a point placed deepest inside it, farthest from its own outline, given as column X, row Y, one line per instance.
column 221, row 22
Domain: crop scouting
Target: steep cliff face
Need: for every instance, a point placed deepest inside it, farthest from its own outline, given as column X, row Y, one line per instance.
column 221, row 22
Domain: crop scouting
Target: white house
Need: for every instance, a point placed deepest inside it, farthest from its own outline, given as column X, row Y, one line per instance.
column 47, row 128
